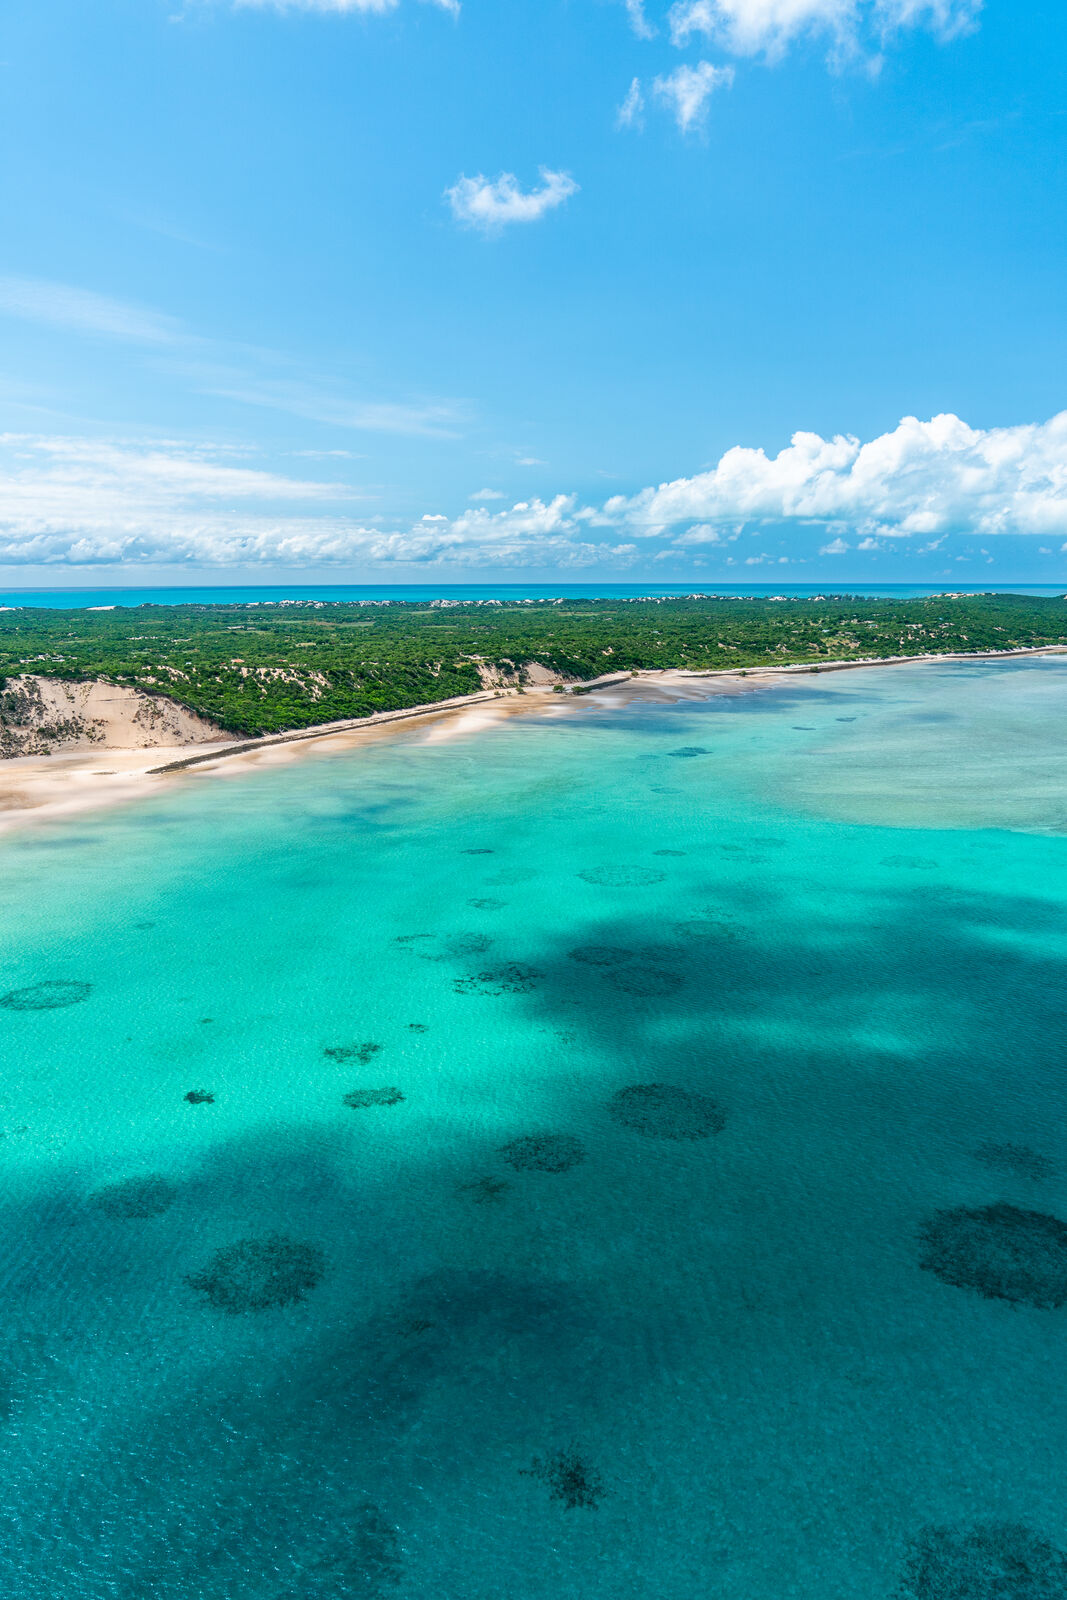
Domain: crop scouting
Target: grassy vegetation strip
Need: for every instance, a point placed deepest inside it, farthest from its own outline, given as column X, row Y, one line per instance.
column 264, row 669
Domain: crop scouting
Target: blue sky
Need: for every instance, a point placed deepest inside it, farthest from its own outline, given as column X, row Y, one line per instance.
column 399, row 289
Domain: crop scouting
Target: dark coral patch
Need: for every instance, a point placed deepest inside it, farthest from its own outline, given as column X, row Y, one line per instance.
column 1017, row 1159
column 50, row 996
column 544, row 1152
column 200, row 1097
column 686, row 752
column 670, row 852
column 622, row 877
column 259, row 1274
column 1002, row 1251
column 646, row 981
column 360, row 1099
column 663, row 1111
column 992, row 1561
column 487, row 903
column 478, row 852
column 513, row 978
column 136, row 1198
column 570, row 1479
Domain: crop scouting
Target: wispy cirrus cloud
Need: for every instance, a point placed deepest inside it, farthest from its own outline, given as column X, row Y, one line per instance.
column 61, row 305
column 340, row 7
column 494, row 203
column 639, row 23
column 631, row 114
column 318, row 402
column 687, row 92
column 768, row 27
column 239, row 373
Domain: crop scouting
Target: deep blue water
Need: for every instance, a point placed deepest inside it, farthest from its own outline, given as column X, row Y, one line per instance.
column 222, row 594
column 585, row 1093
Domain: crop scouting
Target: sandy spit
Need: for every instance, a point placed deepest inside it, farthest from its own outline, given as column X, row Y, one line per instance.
column 35, row 789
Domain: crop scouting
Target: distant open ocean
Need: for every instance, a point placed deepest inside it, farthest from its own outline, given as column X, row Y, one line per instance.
column 73, row 598
column 594, row 1158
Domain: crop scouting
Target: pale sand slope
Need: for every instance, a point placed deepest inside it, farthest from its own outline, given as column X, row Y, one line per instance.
column 42, row 715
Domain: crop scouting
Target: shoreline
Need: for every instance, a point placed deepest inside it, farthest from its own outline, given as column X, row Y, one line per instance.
column 38, row 789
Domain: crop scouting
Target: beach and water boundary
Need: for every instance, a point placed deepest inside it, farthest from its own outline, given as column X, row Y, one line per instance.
column 36, row 789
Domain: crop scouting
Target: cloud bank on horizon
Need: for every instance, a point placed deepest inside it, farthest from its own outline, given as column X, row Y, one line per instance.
column 85, row 502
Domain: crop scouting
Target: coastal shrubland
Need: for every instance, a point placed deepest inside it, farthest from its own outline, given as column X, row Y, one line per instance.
column 265, row 668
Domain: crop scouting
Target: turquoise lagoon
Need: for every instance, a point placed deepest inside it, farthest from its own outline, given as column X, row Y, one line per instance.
column 606, row 1362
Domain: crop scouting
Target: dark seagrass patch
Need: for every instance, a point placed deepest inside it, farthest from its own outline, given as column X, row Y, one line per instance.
column 1017, row 1159
column 622, row 877
column 483, row 1191
column 648, row 982
column 990, row 1561
column 366, row 1561
column 135, row 1199
column 511, row 978
column 49, row 996
column 601, row 955
column 544, row 1152
column 360, row 1099
column 1002, row 1251
column 664, row 1111
column 259, row 1274
column 570, row 1479
column 353, row 1052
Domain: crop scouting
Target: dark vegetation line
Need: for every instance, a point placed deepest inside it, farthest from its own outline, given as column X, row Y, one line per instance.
column 267, row 668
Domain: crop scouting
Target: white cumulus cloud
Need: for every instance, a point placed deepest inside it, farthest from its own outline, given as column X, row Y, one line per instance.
column 929, row 478
column 493, row 203
column 72, row 501
column 768, row 27
column 687, row 91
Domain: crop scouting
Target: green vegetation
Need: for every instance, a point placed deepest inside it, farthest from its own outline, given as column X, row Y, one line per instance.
column 264, row 668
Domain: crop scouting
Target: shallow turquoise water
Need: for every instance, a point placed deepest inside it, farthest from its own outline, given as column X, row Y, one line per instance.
column 821, row 928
